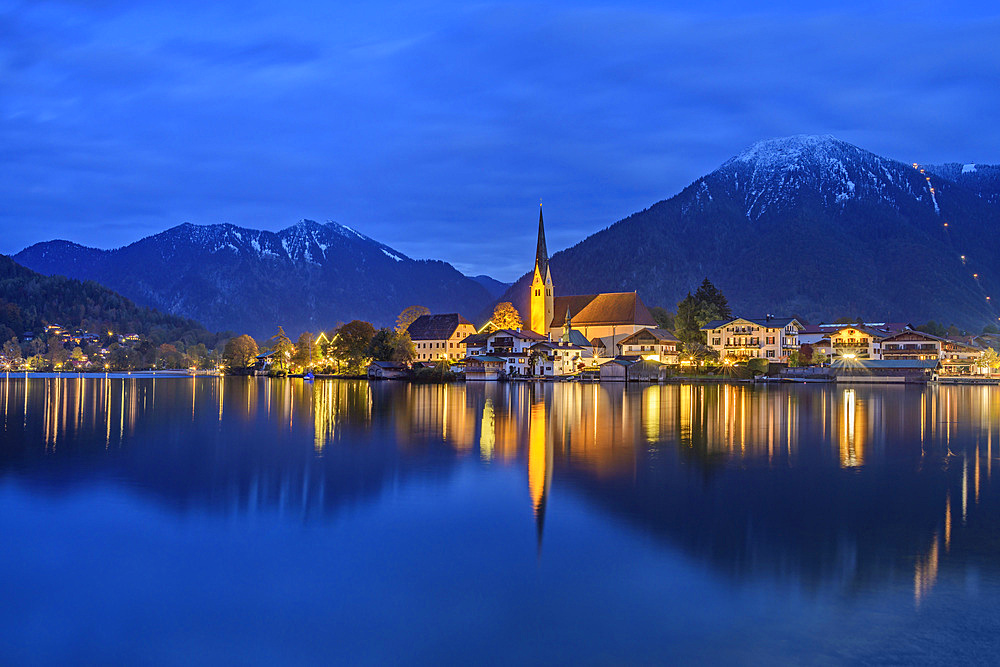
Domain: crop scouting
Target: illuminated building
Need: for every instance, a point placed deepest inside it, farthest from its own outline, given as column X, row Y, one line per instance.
column 437, row 337
column 610, row 317
column 746, row 338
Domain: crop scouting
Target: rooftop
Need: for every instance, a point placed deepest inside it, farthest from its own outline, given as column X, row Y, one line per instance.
column 436, row 327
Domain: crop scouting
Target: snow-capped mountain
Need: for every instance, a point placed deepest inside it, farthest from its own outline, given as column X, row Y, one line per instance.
column 309, row 276
column 804, row 225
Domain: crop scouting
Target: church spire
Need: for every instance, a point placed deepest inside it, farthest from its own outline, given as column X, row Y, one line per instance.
column 541, row 252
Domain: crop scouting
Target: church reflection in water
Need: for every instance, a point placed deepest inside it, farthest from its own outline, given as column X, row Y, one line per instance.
column 825, row 484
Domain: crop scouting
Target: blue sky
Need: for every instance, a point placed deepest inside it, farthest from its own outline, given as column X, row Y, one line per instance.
column 435, row 127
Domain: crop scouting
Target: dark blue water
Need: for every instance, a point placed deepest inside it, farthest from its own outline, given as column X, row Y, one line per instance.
column 245, row 521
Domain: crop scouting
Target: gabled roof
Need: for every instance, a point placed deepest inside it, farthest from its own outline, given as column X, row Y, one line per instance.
column 523, row 334
column 475, row 340
column 389, row 365
column 436, row 327
column 885, row 327
column 573, row 303
column 914, row 333
column 765, row 322
column 577, row 338
column 608, row 309
column 661, row 335
column 874, row 333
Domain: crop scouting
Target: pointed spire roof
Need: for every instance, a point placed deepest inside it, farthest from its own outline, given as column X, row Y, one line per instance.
column 541, row 252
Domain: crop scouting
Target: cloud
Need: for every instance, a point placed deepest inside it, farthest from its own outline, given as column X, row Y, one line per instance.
column 436, row 127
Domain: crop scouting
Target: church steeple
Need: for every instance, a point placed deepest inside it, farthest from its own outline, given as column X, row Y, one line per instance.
column 541, row 252
column 541, row 299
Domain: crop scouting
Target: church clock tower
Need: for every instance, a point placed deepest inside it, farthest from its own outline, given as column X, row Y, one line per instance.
column 541, row 285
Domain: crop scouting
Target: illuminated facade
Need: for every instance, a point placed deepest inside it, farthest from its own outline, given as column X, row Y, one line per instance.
column 440, row 337
column 771, row 338
column 610, row 317
column 541, row 301
column 856, row 342
column 653, row 345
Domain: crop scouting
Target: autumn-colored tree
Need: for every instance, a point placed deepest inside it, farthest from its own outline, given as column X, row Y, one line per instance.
column 505, row 316
column 168, row 356
column 989, row 359
column 240, row 352
column 409, row 316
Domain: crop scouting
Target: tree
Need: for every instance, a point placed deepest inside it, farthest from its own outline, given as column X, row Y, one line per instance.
column 282, row 347
column 686, row 325
column 76, row 356
column 403, row 350
column 57, row 354
column 168, row 356
column 697, row 310
column 200, row 356
column 991, row 329
column 350, row 344
column 381, row 348
column 713, row 303
column 11, row 351
column 409, row 316
column 989, row 359
column 664, row 318
column 390, row 345
column 240, row 352
column 505, row 316
column 306, row 350
column 934, row 329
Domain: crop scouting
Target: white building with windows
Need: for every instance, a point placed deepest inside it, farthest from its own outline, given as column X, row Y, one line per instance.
column 772, row 338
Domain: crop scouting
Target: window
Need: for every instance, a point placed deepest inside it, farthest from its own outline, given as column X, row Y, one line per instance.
column 770, row 353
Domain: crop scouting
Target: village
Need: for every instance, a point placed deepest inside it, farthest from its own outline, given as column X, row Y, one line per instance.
column 615, row 337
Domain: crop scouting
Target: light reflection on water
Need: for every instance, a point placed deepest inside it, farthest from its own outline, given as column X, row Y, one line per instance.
column 824, row 488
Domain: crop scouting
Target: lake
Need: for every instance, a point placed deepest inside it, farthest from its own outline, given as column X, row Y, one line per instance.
column 256, row 521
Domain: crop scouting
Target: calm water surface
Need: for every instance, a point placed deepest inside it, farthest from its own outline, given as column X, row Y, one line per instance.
column 254, row 521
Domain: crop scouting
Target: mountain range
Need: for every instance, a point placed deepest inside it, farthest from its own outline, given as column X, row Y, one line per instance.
column 310, row 276
column 808, row 226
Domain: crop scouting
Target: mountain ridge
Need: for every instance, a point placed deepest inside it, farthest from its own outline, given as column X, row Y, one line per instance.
column 806, row 225
column 309, row 275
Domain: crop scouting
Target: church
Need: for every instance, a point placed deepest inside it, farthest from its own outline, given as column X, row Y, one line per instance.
column 604, row 319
